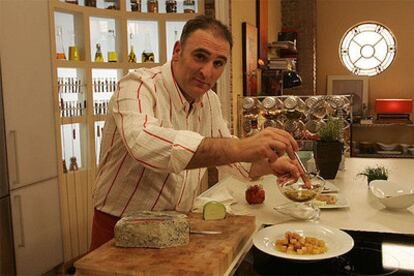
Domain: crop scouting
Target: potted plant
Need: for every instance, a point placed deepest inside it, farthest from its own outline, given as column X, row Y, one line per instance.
column 373, row 173
column 328, row 148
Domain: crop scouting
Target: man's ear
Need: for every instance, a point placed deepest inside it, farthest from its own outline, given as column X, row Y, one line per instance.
column 176, row 51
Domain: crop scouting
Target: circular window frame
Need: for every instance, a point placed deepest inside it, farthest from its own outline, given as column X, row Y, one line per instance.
column 367, row 59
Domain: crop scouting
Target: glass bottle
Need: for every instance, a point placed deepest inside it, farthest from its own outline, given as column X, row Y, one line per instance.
column 98, row 53
column 60, row 49
column 148, row 54
column 171, row 6
column 189, row 6
column 152, row 6
column 112, row 55
column 132, row 58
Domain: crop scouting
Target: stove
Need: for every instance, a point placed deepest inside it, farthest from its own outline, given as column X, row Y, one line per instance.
column 373, row 254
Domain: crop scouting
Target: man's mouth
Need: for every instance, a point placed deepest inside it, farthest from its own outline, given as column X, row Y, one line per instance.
column 202, row 83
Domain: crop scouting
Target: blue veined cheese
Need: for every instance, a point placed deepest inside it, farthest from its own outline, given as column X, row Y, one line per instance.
column 152, row 229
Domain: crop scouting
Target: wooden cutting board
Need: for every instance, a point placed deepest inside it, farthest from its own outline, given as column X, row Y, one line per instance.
column 204, row 255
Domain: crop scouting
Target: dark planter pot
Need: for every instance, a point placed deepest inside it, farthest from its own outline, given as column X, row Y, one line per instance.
column 328, row 156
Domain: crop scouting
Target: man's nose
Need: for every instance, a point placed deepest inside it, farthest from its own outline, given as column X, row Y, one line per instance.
column 207, row 70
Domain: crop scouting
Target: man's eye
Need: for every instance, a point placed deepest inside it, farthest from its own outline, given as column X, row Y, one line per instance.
column 219, row 63
column 199, row 57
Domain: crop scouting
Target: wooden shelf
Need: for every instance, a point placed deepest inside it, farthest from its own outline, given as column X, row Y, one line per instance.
column 383, row 125
column 73, row 120
column 99, row 117
column 376, row 155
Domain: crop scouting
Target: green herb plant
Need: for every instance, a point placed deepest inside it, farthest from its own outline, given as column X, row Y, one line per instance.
column 374, row 173
column 332, row 130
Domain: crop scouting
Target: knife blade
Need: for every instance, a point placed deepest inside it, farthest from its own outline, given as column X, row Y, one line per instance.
column 205, row 232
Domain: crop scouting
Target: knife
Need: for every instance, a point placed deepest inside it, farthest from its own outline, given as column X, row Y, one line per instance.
column 205, row 232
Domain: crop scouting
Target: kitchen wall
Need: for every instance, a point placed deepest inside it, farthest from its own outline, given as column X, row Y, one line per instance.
column 245, row 11
column 335, row 17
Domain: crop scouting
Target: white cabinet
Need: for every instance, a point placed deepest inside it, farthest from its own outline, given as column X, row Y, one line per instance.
column 30, row 135
column 36, row 227
column 27, row 92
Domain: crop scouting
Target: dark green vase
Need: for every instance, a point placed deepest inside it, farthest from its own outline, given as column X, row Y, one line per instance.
column 328, row 156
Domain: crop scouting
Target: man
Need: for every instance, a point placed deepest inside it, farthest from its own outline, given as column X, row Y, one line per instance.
column 165, row 127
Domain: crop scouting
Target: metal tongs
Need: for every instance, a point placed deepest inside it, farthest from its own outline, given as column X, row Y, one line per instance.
column 303, row 173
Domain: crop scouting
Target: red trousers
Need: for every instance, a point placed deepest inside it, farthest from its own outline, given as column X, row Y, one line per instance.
column 102, row 228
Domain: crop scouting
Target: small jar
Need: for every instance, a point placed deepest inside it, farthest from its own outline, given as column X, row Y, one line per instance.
column 136, row 5
column 171, row 6
column 152, row 6
column 290, row 102
column 269, row 103
column 189, row 6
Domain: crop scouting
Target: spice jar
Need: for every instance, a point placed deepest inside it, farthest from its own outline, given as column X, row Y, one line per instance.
column 189, row 6
column 152, row 6
column 73, row 164
column 136, row 5
column 171, row 6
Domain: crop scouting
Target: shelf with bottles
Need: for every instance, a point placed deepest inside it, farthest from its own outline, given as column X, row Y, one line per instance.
column 105, row 39
column 143, row 42
column 97, row 4
column 74, row 147
column 104, row 82
column 301, row 116
column 71, row 89
column 162, row 6
column 69, row 37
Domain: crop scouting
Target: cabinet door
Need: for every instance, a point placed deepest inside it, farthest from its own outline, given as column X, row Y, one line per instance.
column 36, row 228
column 27, row 91
column 6, row 239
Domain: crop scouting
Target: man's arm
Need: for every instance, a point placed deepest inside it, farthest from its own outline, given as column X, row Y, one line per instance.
column 268, row 144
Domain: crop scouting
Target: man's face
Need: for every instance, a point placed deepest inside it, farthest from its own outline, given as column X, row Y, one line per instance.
column 199, row 62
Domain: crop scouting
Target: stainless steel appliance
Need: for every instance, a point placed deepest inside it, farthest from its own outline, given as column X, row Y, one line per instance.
column 7, row 264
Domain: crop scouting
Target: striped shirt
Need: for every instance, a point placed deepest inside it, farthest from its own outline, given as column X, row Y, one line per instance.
column 149, row 137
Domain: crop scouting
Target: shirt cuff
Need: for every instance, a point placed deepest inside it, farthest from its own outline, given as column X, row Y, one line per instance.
column 185, row 145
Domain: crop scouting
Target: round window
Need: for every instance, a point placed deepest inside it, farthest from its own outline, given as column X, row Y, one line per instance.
column 367, row 49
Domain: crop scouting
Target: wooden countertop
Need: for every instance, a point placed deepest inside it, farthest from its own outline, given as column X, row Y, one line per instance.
column 204, row 255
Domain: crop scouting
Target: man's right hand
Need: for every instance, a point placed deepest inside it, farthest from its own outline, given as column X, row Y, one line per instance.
column 269, row 143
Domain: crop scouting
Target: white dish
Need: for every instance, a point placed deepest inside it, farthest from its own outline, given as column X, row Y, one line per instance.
column 338, row 242
column 330, row 188
column 411, row 150
column 387, row 147
column 393, row 195
column 341, row 202
column 395, row 152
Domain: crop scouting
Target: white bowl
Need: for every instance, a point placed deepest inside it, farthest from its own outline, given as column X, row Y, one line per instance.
column 393, row 195
column 384, row 146
column 411, row 150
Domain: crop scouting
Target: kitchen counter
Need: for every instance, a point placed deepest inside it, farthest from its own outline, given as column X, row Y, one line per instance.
column 364, row 211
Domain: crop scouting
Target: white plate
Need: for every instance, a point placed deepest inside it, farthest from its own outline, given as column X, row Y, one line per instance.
column 389, row 152
column 338, row 242
column 341, row 202
column 330, row 188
